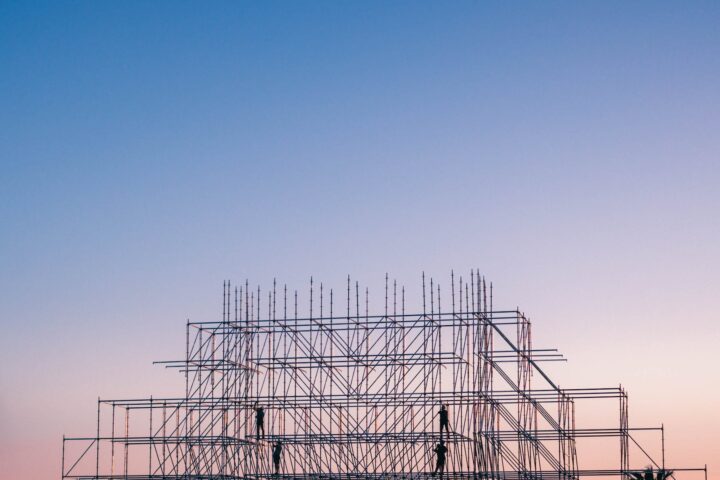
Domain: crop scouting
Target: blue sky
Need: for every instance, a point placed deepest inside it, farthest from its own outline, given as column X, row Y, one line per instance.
column 148, row 151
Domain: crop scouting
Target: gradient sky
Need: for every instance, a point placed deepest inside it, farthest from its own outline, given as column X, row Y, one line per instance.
column 150, row 150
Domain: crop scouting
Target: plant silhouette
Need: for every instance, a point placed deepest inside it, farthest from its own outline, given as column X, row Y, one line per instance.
column 650, row 474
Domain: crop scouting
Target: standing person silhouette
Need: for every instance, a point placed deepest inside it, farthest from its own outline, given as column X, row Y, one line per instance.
column 440, row 450
column 444, row 420
column 277, row 452
column 260, row 421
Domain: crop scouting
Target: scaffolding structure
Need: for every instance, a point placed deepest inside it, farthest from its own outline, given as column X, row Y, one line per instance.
column 349, row 394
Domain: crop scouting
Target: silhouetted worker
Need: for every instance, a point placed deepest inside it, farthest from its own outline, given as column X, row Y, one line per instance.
column 277, row 452
column 260, row 421
column 440, row 450
column 444, row 420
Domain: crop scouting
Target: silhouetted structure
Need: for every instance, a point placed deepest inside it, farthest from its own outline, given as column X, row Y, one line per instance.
column 349, row 394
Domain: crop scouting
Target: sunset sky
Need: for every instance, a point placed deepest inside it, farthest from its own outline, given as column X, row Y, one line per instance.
column 151, row 150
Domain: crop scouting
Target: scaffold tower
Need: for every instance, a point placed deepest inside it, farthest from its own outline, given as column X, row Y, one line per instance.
column 338, row 392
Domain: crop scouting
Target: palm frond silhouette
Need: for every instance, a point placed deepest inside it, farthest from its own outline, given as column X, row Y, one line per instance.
column 651, row 474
